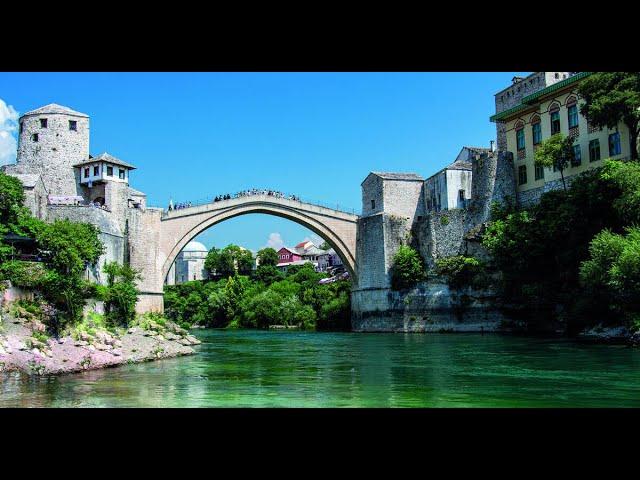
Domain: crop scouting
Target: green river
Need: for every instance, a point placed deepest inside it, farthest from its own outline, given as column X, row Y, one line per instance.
column 300, row 369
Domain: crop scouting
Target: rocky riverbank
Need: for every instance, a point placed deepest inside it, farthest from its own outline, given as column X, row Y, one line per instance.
column 24, row 347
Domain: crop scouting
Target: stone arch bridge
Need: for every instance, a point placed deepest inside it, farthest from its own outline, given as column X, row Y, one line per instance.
column 174, row 229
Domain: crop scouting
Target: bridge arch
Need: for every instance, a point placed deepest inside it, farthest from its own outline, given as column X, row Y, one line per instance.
column 179, row 227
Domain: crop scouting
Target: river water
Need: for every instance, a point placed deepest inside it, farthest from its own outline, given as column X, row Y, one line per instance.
column 303, row 369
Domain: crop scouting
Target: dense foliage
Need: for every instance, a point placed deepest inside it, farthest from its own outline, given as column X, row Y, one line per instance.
column 460, row 270
column 228, row 261
column 408, row 268
column 267, row 257
column 612, row 273
column 67, row 249
column 610, row 98
column 120, row 295
column 539, row 250
column 557, row 152
column 242, row 301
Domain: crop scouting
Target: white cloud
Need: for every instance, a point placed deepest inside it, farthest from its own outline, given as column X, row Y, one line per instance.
column 8, row 127
column 275, row 241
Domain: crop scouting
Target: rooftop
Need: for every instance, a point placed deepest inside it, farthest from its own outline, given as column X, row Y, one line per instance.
column 195, row 247
column 397, row 176
column 105, row 157
column 54, row 108
column 459, row 165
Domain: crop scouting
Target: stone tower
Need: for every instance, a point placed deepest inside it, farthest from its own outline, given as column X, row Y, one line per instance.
column 51, row 140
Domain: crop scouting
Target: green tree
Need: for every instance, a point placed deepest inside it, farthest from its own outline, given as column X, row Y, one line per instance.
column 268, row 274
column 610, row 98
column 68, row 248
column 324, row 246
column 212, row 261
column 460, row 270
column 612, row 272
column 407, row 269
column 11, row 198
column 120, row 294
column 228, row 261
column 557, row 152
column 268, row 257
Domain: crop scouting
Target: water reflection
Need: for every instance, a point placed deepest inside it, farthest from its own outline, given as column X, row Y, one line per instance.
column 298, row 369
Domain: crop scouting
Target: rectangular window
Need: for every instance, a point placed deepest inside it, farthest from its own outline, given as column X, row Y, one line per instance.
column 555, row 123
column 73, row 125
column 573, row 116
column 34, row 137
column 373, row 204
column 43, row 123
column 121, row 173
column 96, row 170
column 522, row 174
column 594, row 150
column 109, row 171
column 539, row 172
column 577, row 156
column 461, row 195
column 21, row 127
column 537, row 133
column 614, row 144
column 86, row 172
column 520, row 139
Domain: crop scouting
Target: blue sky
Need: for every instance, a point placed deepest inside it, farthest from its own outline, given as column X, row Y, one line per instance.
column 317, row 135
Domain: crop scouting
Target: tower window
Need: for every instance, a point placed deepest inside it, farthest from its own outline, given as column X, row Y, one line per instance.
column 96, row 170
column 86, row 172
column 21, row 127
column 109, row 171
column 43, row 123
column 373, row 204
column 73, row 125
column 461, row 195
column 121, row 173
column 34, row 137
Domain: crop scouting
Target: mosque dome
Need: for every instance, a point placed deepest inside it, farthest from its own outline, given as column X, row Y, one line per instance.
column 195, row 247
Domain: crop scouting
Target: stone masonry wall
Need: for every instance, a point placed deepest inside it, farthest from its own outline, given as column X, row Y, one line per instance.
column 55, row 152
column 110, row 233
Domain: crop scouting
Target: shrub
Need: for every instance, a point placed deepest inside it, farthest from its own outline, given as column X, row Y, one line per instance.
column 121, row 294
column 408, row 268
column 23, row 274
column 460, row 270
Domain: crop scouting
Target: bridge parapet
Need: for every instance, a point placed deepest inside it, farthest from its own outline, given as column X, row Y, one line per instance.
column 303, row 204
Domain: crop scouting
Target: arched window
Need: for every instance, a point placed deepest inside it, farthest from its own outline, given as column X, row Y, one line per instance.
column 572, row 111
column 536, row 130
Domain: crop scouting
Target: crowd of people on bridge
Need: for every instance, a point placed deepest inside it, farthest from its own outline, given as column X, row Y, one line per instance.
column 255, row 191
column 179, row 206
column 243, row 193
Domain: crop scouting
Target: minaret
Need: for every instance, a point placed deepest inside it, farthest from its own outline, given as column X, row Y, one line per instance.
column 51, row 140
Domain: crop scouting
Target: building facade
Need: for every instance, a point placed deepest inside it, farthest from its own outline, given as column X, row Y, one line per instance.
column 543, row 113
column 450, row 188
column 189, row 264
